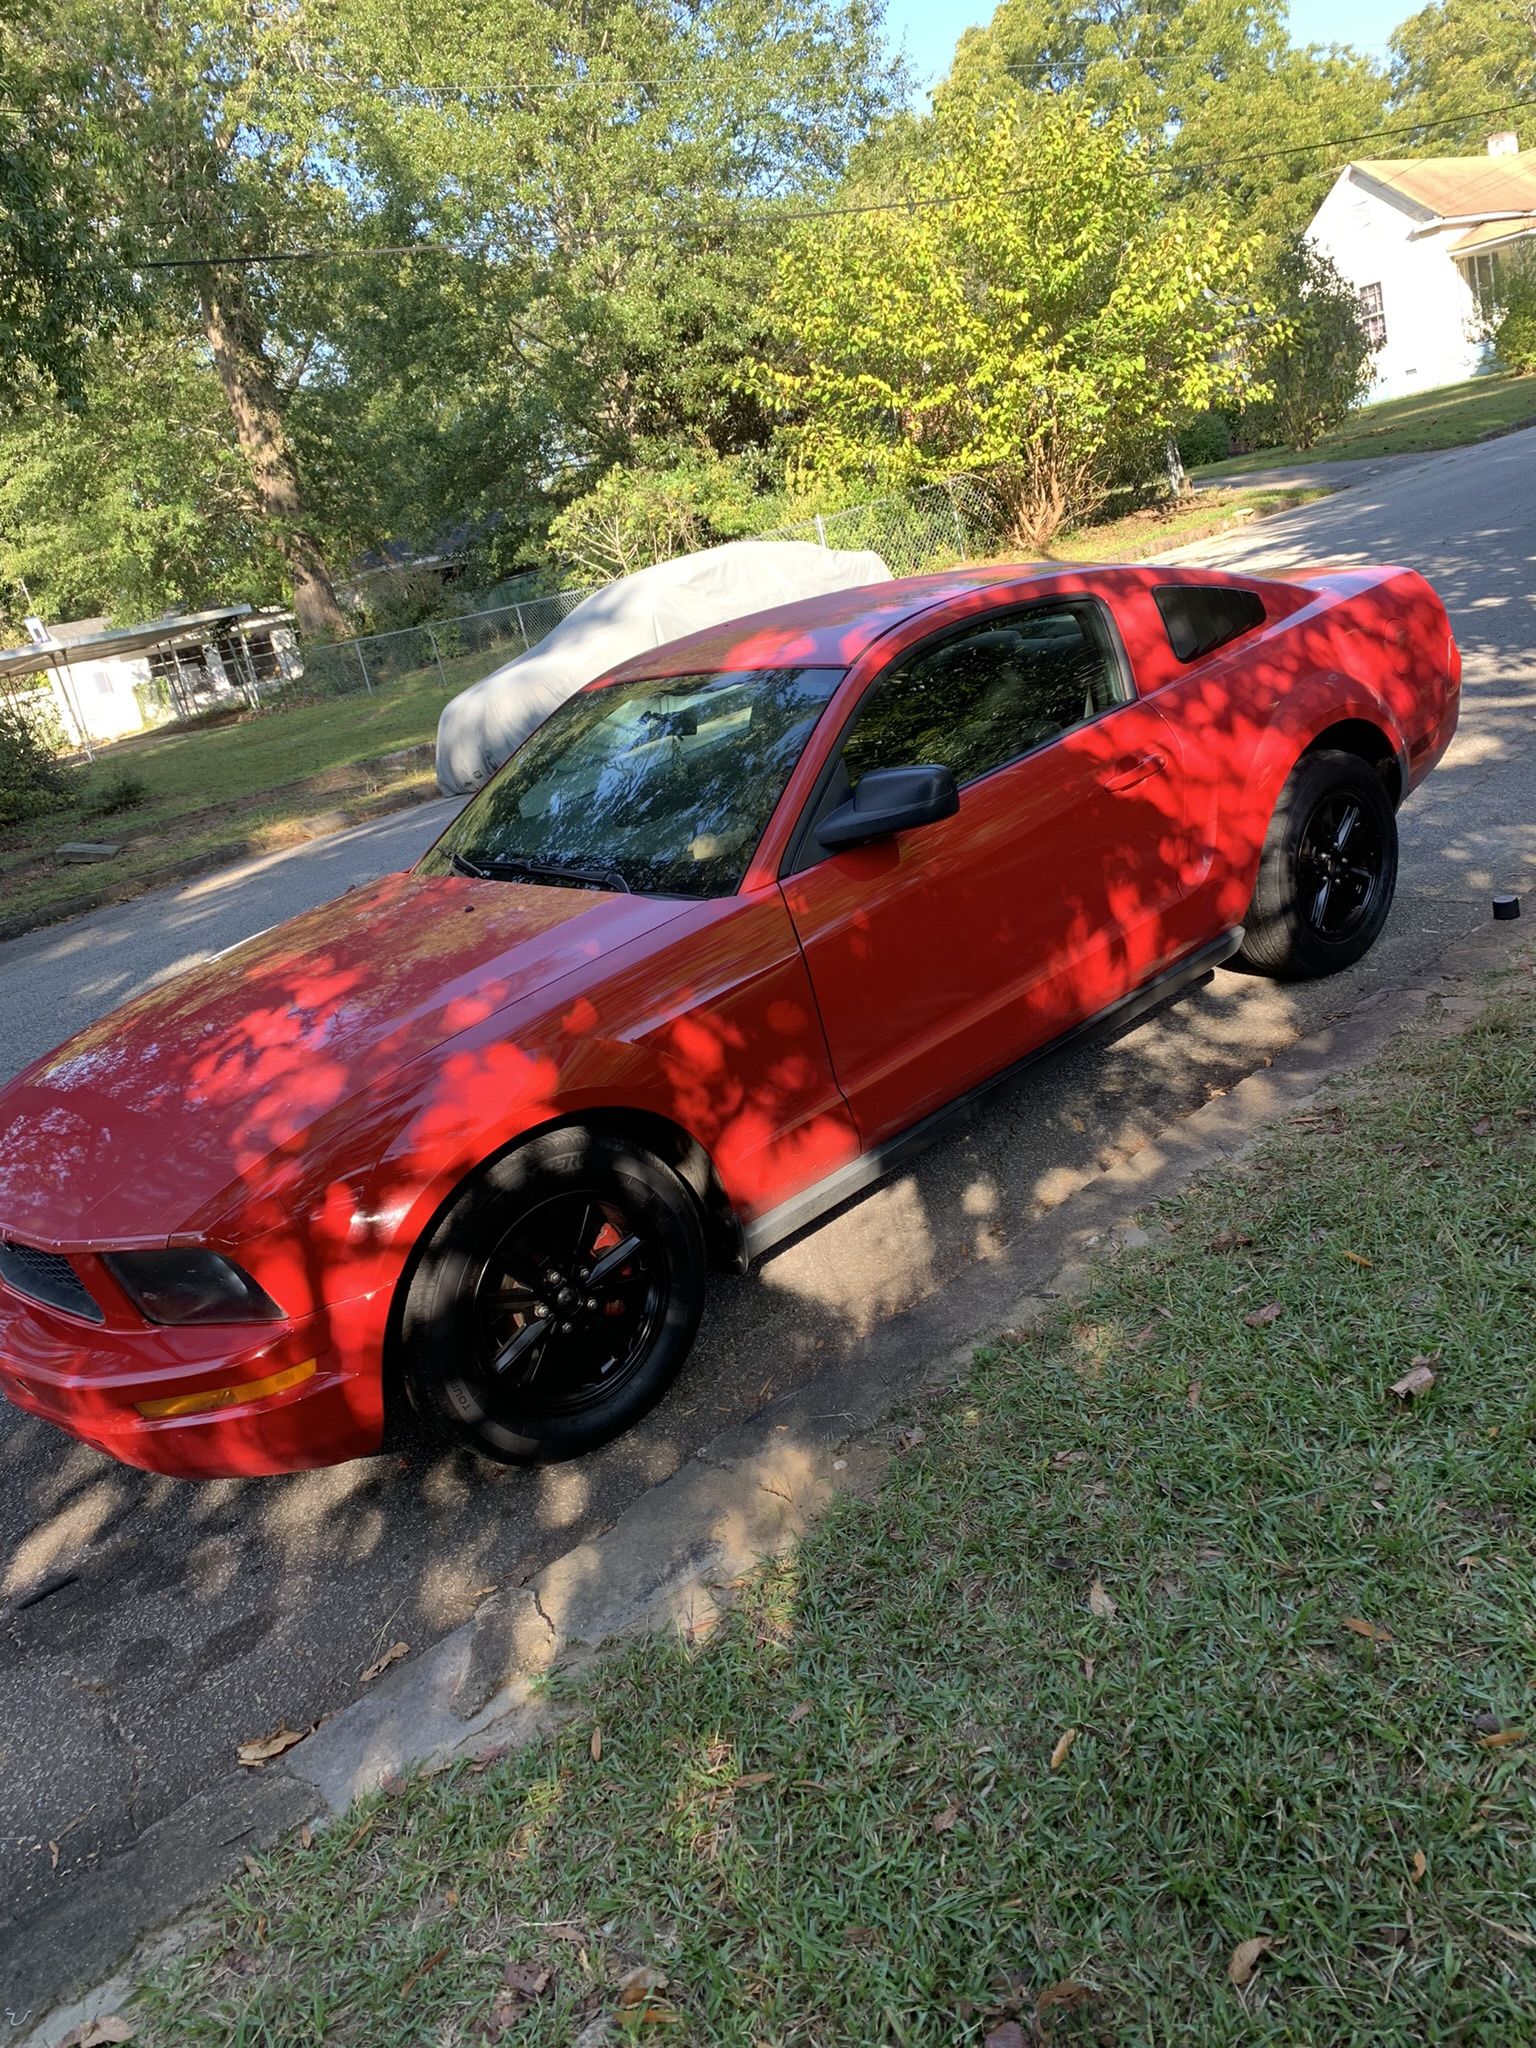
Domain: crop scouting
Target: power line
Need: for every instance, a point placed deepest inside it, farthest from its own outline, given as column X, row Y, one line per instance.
column 237, row 259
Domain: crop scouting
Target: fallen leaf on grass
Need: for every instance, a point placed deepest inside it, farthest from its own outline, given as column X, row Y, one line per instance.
column 1503, row 1738
column 1256, row 1318
column 1059, row 1753
column 523, row 1982
column 797, row 1714
column 1482, row 1127
column 1247, row 1956
column 1418, row 1379
column 596, row 1745
column 861, row 1937
column 1008, row 2035
column 637, row 1985
column 261, row 1749
column 1371, row 1630
column 1065, row 1993
column 1061, row 1459
column 909, row 1439
column 1357, row 1259
column 391, row 1656
column 1196, row 1389
column 1101, row 1603
column 943, row 1822
column 96, row 2033
column 751, row 1778
column 1420, row 1864
column 1229, row 1241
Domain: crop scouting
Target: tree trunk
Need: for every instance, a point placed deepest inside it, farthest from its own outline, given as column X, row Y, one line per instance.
column 235, row 339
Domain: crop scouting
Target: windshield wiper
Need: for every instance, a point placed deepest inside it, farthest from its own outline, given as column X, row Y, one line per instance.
column 461, row 866
column 589, row 874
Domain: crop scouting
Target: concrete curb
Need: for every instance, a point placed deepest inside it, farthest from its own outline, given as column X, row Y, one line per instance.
column 669, row 1560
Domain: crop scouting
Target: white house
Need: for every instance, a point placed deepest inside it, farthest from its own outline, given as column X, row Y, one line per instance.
column 107, row 682
column 1422, row 240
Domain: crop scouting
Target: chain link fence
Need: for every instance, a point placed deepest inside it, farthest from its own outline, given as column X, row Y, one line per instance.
column 456, row 651
column 932, row 528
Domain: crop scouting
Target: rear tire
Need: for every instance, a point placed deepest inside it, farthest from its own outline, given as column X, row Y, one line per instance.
column 1328, row 871
column 556, row 1299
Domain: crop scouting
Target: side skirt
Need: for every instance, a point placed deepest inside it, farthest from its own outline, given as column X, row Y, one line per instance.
column 814, row 1202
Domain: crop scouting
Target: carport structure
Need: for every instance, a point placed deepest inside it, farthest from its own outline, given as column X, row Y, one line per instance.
column 93, row 666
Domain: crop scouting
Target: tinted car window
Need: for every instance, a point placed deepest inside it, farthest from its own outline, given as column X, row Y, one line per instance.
column 661, row 786
column 1201, row 619
column 986, row 695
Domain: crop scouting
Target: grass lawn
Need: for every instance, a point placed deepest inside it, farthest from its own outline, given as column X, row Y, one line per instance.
column 1176, row 1633
column 1448, row 418
column 249, row 785
column 1160, row 527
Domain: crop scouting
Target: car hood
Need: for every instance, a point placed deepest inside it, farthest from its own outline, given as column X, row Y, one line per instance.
column 127, row 1132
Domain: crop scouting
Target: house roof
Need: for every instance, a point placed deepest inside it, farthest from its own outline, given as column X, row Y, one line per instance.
column 1491, row 232
column 80, row 642
column 1460, row 187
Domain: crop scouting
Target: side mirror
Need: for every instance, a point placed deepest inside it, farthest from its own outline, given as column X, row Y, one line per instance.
column 889, row 800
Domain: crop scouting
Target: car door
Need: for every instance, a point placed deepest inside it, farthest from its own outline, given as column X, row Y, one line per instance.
column 942, row 955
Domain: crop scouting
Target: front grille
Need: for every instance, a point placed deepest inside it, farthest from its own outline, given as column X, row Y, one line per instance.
column 47, row 1277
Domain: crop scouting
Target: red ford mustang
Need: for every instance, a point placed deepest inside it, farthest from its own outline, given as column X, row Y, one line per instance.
column 740, row 924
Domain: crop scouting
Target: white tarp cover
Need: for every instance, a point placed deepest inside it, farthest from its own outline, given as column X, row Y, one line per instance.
column 480, row 727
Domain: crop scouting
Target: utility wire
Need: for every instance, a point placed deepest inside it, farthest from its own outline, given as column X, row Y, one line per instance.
column 236, row 259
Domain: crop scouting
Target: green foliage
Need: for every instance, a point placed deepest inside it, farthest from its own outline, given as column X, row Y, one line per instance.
column 660, row 507
column 1454, row 60
column 1315, row 361
column 57, row 280
column 1513, row 324
column 1035, row 316
column 120, row 791
column 390, row 599
column 32, row 777
column 1215, row 87
column 140, row 500
column 1207, row 438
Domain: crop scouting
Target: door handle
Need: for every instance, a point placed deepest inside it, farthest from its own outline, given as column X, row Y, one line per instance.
column 1134, row 768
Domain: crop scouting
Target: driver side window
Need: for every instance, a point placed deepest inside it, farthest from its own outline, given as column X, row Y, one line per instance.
column 989, row 693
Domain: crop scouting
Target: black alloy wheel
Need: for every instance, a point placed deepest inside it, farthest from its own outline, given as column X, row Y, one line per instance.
column 1340, row 865
column 566, row 1304
column 555, row 1299
column 1328, row 871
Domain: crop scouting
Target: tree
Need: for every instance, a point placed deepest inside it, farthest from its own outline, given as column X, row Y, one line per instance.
column 1035, row 311
column 1315, row 359
column 1214, row 84
column 137, row 503
column 1453, row 61
column 530, row 221
column 54, row 288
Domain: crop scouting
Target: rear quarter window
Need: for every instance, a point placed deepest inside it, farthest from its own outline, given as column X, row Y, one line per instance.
column 1200, row 618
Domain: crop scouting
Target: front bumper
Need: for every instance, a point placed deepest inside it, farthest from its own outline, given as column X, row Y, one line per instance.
column 90, row 1379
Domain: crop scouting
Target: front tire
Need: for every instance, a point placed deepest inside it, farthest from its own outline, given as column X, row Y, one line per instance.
column 556, row 1299
column 1328, row 871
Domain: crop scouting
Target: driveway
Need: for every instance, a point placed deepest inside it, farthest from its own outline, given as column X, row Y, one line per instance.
column 147, row 1627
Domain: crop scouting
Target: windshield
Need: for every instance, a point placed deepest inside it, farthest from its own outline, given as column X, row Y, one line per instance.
column 662, row 786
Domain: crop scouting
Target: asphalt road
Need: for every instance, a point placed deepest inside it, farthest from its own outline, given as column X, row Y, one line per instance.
column 147, row 1627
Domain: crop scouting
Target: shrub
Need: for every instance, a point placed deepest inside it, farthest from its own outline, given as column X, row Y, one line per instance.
column 668, row 503
column 32, row 777
column 1513, row 325
column 1315, row 360
column 395, row 598
column 123, row 791
column 1207, row 438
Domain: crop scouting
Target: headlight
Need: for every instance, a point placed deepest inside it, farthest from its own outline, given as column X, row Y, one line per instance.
column 191, row 1287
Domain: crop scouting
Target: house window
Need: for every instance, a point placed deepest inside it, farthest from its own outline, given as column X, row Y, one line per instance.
column 1372, row 318
column 1482, row 274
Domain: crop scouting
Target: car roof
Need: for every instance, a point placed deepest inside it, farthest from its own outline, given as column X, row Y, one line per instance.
column 830, row 631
